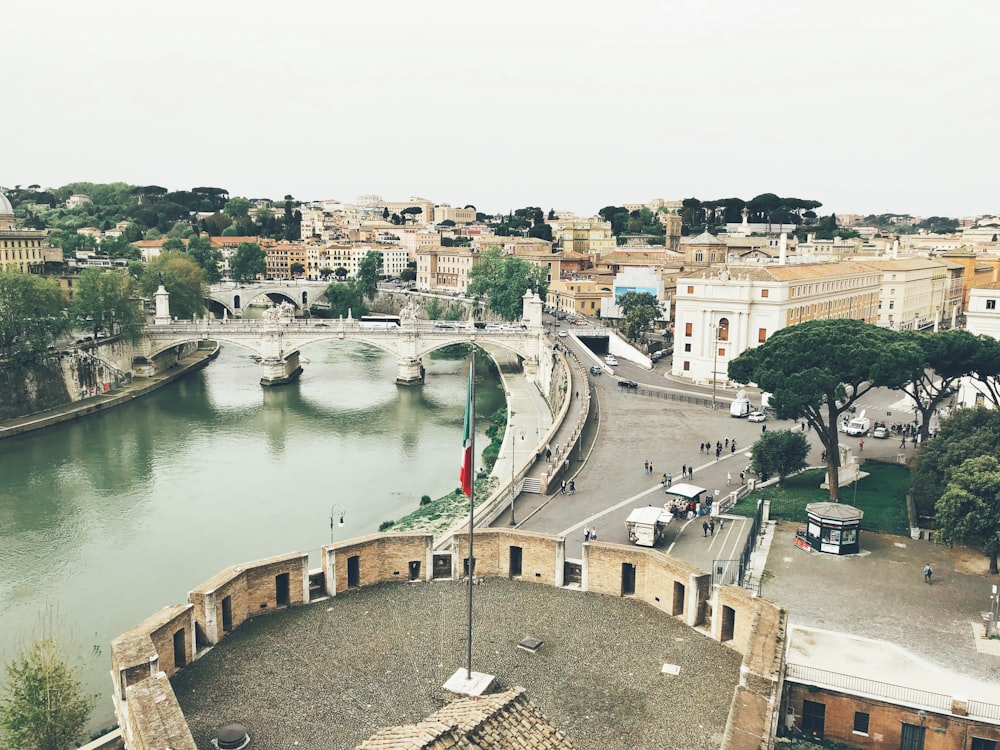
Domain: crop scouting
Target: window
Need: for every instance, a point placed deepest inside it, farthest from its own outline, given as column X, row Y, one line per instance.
column 688, row 329
column 981, row 744
column 699, row 256
column 687, row 347
column 722, row 352
column 912, row 737
column 764, row 292
column 690, row 290
column 687, row 366
column 813, row 716
column 891, row 304
column 991, row 304
column 723, row 329
column 761, row 335
column 860, row 722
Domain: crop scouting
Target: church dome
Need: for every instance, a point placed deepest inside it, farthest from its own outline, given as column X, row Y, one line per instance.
column 5, row 207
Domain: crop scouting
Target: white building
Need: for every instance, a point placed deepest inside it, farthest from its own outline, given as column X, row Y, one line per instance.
column 916, row 292
column 720, row 314
column 394, row 259
column 641, row 280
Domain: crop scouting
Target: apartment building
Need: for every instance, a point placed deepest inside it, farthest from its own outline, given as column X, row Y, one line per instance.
column 587, row 236
column 23, row 249
column 444, row 212
column 719, row 314
column 916, row 292
column 281, row 256
column 445, row 269
column 394, row 258
column 579, row 296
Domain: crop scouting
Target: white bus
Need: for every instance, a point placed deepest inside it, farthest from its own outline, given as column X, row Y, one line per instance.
column 379, row 321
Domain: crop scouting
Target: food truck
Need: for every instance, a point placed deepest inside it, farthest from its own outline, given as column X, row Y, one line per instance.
column 647, row 526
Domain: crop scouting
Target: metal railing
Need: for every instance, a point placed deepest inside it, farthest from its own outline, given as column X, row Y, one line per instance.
column 874, row 688
column 734, row 572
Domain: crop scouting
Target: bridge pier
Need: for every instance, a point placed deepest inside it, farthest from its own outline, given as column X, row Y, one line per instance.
column 409, row 371
column 276, row 371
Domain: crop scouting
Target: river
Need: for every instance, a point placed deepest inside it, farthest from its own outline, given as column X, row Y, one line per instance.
column 106, row 520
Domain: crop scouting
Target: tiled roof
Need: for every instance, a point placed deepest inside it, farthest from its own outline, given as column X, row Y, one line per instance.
column 705, row 238
column 501, row 721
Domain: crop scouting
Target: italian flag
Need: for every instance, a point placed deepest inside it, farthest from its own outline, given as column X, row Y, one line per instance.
column 466, row 472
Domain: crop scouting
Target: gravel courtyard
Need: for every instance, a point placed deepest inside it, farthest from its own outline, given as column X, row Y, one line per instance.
column 328, row 675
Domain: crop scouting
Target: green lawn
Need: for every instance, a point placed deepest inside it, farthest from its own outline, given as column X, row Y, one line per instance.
column 882, row 496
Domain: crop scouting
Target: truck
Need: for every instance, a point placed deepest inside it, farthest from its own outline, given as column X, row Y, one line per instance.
column 740, row 407
column 647, row 526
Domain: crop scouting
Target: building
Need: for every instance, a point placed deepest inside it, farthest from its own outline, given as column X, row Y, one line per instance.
column 23, row 249
column 578, row 296
column 916, row 292
column 445, row 269
column 982, row 318
column 634, row 279
column 394, row 259
column 78, row 199
column 719, row 314
column 444, row 212
column 587, row 236
column 704, row 250
column 280, row 257
column 979, row 270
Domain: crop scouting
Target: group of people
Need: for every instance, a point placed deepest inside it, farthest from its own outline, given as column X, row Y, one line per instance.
column 708, row 527
column 589, row 534
column 729, row 444
column 569, row 487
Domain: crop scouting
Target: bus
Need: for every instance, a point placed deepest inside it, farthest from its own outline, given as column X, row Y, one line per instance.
column 379, row 321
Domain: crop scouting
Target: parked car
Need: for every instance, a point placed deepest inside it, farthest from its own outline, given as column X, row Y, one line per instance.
column 595, row 370
column 880, row 431
column 563, row 334
column 629, row 385
column 610, row 359
column 756, row 416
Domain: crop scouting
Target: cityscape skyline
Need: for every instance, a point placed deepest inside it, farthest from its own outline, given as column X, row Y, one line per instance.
column 868, row 109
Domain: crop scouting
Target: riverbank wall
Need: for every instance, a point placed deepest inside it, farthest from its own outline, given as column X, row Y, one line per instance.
column 101, row 396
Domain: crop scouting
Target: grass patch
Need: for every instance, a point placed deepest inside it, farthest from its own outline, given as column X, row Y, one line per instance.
column 437, row 516
column 882, row 497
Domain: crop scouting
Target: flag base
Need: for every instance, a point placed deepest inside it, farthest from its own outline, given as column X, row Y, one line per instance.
column 461, row 684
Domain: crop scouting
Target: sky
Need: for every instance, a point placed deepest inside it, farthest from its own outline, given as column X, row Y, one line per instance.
column 869, row 107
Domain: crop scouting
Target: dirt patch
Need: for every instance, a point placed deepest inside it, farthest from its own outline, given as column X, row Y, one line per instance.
column 970, row 562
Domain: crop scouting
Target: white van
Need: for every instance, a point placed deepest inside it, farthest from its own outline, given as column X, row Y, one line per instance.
column 859, row 426
column 741, row 406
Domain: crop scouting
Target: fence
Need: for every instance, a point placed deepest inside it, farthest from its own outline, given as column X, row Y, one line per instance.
column 685, row 398
column 734, row 572
column 874, row 688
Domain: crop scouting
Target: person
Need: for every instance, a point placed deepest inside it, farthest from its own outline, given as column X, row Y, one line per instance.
column 650, row 467
column 729, row 477
column 722, row 522
column 727, row 442
column 663, row 479
column 928, row 572
column 548, row 454
column 572, row 486
column 593, row 534
column 670, row 479
column 586, row 533
column 562, row 487
column 645, row 467
column 701, row 447
column 743, row 478
column 704, row 528
column 763, row 428
column 732, row 448
column 684, row 471
column 711, row 528
column 902, row 443
column 690, row 472
column 861, row 445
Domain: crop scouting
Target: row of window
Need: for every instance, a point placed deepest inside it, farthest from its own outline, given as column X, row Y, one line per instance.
column 22, row 243
column 831, row 286
column 722, row 333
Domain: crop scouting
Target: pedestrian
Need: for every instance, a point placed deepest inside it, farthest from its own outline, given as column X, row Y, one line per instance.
column 690, row 472
column 586, row 533
column 803, row 426
column 562, row 487
column 718, row 453
column 722, row 522
column 548, row 454
column 727, row 442
column 650, row 467
column 823, row 457
column 701, row 447
column 670, row 479
column 684, row 471
column 861, row 445
column 763, row 428
column 704, row 528
column 733, row 448
column 928, row 572
column 645, row 467
column 902, row 443
column 557, row 449
column 572, row 486
column 711, row 528
column 578, row 394
column 663, row 479
column 733, row 443
column 729, row 477
column 743, row 478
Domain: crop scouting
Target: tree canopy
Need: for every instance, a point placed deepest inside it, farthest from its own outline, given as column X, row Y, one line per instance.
column 108, row 302
column 818, row 369
column 345, row 299
column 781, row 452
column 32, row 316
column 969, row 510
column 369, row 271
column 42, row 705
column 247, row 263
column 182, row 278
column 503, row 279
column 207, row 257
column 639, row 311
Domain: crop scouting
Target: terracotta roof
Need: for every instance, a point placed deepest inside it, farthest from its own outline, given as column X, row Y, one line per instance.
column 501, row 721
column 791, row 272
column 705, row 238
column 903, row 264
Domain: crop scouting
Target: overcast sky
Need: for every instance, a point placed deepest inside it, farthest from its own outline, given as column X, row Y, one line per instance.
column 870, row 107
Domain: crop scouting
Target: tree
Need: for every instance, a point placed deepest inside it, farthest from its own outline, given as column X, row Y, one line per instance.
column 296, row 269
column 433, row 309
column 969, row 510
column 32, row 316
column 781, row 452
column 340, row 272
column 201, row 251
column 369, row 271
column 541, row 231
column 174, row 243
column 639, row 311
column 408, row 274
column 503, row 280
column 237, row 208
column 247, row 263
column 182, row 278
column 108, row 302
column 968, row 433
column 947, row 357
column 43, row 707
column 986, row 370
column 818, row 369
column 345, row 299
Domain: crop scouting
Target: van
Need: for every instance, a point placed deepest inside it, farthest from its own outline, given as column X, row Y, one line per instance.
column 741, row 405
column 859, row 426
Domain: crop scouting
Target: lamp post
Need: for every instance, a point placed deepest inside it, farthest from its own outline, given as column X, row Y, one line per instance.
column 519, row 435
column 715, row 360
column 337, row 513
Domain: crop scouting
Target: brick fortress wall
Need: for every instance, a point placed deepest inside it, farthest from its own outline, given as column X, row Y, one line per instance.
column 145, row 657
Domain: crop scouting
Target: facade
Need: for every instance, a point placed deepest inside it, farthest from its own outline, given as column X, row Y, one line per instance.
column 445, row 269
column 394, row 259
column 916, row 292
column 587, row 236
column 23, row 249
column 280, row 257
column 444, row 212
column 704, row 250
column 720, row 314
column 982, row 318
column 980, row 270
column 579, row 296
column 634, row 279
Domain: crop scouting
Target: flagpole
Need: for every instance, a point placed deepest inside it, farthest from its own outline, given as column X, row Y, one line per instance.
column 472, row 503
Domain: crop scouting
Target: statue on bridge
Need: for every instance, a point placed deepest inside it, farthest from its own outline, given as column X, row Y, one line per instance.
column 279, row 313
column 408, row 315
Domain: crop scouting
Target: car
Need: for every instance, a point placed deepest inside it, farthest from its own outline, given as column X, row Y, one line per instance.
column 563, row 334
column 629, row 385
column 595, row 370
column 756, row 416
column 610, row 359
column 881, row 432
column 321, row 325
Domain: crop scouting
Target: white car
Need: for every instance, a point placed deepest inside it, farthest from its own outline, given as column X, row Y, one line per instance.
column 756, row 416
column 609, row 359
column 563, row 334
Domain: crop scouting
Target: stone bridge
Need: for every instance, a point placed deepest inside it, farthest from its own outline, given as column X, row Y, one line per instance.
column 278, row 338
column 233, row 298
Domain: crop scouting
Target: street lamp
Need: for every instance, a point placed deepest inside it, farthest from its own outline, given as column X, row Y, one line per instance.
column 337, row 513
column 519, row 435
